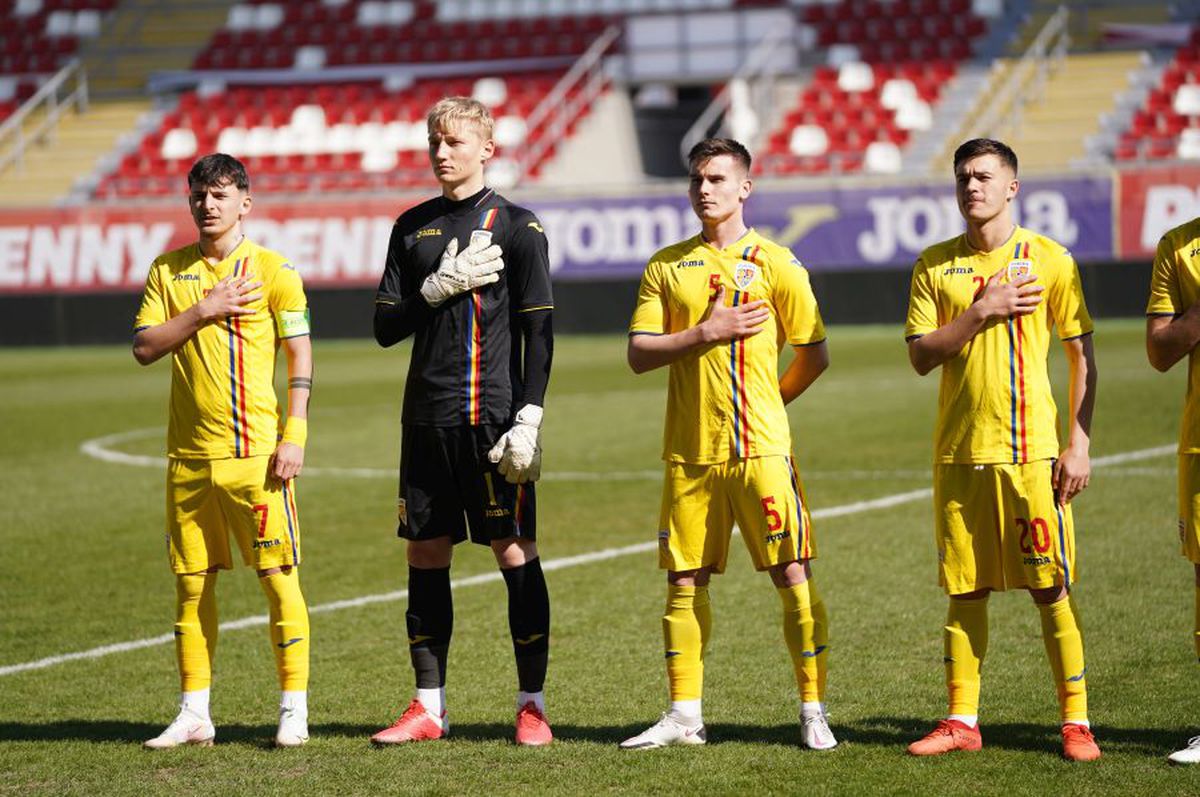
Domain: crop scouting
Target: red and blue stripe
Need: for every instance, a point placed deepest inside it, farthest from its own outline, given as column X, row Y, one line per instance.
column 1016, row 389
column 737, row 378
column 1063, row 553
column 474, row 340
column 237, row 376
column 804, row 543
column 488, row 218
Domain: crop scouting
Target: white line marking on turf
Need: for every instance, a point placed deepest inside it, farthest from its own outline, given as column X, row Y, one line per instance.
column 484, row 578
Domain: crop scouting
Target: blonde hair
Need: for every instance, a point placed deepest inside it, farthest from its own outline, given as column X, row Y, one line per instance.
column 450, row 112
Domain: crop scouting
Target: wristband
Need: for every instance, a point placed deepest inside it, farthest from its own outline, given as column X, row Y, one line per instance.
column 295, row 431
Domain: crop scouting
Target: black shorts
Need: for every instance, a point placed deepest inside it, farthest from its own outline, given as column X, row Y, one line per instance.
column 446, row 482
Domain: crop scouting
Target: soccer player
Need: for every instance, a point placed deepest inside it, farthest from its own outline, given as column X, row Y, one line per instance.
column 222, row 307
column 982, row 306
column 717, row 308
column 1172, row 332
column 468, row 277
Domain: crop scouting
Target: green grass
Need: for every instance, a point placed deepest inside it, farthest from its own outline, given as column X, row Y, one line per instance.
column 84, row 565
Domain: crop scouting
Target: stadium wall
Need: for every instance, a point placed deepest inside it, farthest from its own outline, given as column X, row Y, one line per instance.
column 72, row 275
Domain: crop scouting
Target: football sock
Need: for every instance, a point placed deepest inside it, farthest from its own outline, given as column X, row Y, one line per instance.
column 805, row 630
column 295, row 700
column 688, row 709
column 686, row 625
column 529, row 622
column 289, row 628
column 430, row 621
column 196, row 702
column 965, row 639
column 195, row 630
column 434, row 700
column 536, row 698
column 1064, row 646
column 1196, row 631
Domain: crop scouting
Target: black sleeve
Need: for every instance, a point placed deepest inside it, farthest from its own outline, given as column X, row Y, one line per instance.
column 400, row 309
column 538, row 332
column 527, row 261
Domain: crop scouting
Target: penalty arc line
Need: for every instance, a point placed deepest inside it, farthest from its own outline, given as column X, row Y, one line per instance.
column 553, row 564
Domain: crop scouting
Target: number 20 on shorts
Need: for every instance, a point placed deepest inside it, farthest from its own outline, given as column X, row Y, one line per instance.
column 1035, row 535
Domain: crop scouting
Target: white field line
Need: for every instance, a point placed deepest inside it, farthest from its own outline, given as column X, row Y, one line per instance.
column 553, row 564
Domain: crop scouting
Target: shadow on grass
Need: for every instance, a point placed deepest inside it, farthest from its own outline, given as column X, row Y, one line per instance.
column 879, row 731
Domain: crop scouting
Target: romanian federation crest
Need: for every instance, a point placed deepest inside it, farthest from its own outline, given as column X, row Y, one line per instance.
column 744, row 274
column 1020, row 266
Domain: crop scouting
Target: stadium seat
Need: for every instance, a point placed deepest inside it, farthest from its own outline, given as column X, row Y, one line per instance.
column 808, row 140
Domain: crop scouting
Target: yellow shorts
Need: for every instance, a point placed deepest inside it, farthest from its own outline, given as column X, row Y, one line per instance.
column 701, row 503
column 1000, row 527
column 208, row 499
column 1189, row 506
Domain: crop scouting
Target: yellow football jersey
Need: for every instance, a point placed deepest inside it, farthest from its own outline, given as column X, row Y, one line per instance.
column 995, row 404
column 223, row 401
column 723, row 401
column 1174, row 287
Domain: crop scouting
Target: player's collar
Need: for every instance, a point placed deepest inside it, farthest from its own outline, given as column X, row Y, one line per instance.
column 749, row 237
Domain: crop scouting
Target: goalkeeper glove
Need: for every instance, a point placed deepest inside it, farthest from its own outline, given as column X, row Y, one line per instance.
column 479, row 264
column 517, row 452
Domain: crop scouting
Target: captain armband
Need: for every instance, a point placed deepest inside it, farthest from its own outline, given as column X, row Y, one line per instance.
column 295, row 431
column 292, row 323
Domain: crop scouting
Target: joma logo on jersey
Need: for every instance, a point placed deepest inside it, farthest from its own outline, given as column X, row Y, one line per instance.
column 428, row 233
column 1036, row 560
column 1194, row 252
column 534, row 225
column 690, row 263
column 266, row 543
column 498, row 511
column 959, row 270
column 186, row 278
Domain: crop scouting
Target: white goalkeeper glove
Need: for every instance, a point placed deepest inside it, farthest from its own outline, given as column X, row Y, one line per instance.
column 479, row 264
column 518, row 451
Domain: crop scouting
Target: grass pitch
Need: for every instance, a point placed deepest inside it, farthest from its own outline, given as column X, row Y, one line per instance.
column 84, row 566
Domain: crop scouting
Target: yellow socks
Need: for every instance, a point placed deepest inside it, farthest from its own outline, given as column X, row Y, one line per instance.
column 965, row 639
column 195, row 629
column 686, row 626
column 289, row 628
column 806, row 631
column 1064, row 645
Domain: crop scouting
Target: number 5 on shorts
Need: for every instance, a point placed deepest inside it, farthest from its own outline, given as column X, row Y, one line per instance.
column 774, row 520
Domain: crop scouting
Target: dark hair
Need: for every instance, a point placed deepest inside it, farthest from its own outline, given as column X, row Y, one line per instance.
column 218, row 169
column 712, row 147
column 986, row 146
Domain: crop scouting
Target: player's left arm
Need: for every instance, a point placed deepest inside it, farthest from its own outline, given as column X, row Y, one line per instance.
column 1172, row 329
column 1073, row 468
column 285, row 295
column 809, row 362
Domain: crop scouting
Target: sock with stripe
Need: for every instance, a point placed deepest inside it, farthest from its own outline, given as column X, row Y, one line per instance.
column 806, row 631
column 1063, row 636
column 289, row 628
column 686, row 626
column 965, row 640
column 195, row 630
column 529, row 622
column 430, row 621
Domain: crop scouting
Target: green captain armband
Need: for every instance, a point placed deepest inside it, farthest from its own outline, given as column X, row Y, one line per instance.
column 292, row 323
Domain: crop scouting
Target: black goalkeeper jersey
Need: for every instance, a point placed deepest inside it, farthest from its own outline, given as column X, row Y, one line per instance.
column 466, row 357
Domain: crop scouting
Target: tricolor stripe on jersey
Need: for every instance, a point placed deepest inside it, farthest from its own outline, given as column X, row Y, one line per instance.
column 1022, row 252
column 519, row 508
column 804, row 543
column 474, row 357
column 237, row 379
column 488, row 218
column 737, row 380
column 1016, row 386
column 750, row 253
column 293, row 520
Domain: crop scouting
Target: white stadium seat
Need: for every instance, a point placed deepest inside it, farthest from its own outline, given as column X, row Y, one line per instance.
column 260, row 140
column 269, row 16
column 379, row 160
column 882, row 157
column 491, row 91
column 839, row 54
column 808, row 140
column 510, row 131
column 179, row 143
column 309, row 57
column 855, row 76
column 241, row 17
column 1187, row 100
column 897, row 93
column 308, row 117
column 502, row 173
column 26, row 8
column 87, row 23
column 232, row 141
column 1189, row 143
column 916, row 115
column 59, row 23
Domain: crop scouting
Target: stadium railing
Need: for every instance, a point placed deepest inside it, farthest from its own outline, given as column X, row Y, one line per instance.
column 53, row 102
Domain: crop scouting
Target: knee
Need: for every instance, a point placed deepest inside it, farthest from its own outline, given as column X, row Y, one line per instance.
column 689, row 578
column 978, row 594
column 1049, row 594
column 429, row 554
column 790, row 574
column 514, row 551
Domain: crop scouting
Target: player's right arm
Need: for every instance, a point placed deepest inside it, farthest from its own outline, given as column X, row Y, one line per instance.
column 400, row 309
column 995, row 301
column 228, row 297
column 721, row 324
column 1171, row 333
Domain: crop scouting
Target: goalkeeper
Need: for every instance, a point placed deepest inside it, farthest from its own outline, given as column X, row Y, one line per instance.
column 467, row 275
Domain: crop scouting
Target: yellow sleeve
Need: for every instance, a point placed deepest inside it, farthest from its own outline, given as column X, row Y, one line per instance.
column 1164, row 284
column 289, row 306
column 795, row 304
column 153, row 310
column 922, row 307
column 1067, row 307
column 650, row 313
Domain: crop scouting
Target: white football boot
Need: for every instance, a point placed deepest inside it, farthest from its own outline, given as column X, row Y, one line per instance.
column 815, row 733
column 670, row 729
column 1189, row 754
column 188, row 727
column 293, row 728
